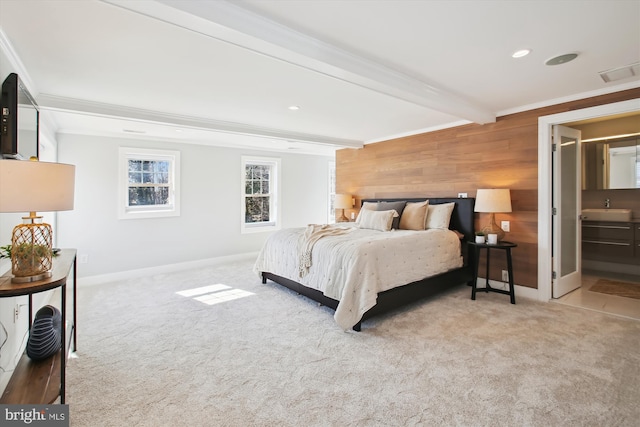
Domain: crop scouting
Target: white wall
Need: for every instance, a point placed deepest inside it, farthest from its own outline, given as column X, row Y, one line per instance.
column 208, row 227
column 209, row 223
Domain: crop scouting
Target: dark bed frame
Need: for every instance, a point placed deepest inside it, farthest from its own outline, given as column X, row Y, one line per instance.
column 462, row 220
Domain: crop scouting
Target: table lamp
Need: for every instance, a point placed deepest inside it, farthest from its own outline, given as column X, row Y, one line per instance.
column 495, row 200
column 31, row 186
column 343, row 201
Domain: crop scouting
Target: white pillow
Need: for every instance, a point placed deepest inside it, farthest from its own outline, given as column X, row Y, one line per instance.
column 366, row 205
column 439, row 216
column 377, row 220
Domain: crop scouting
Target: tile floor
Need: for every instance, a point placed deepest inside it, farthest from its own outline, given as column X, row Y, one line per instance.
column 620, row 306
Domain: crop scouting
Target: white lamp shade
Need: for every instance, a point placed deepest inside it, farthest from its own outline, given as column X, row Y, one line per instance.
column 343, row 201
column 493, row 200
column 29, row 186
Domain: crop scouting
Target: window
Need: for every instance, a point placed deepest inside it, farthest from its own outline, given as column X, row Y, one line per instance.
column 260, row 205
column 149, row 183
column 331, row 214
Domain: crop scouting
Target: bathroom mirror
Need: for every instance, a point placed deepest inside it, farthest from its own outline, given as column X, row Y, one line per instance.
column 611, row 164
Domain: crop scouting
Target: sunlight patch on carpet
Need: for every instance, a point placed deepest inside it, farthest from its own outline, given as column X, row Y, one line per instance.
column 203, row 290
column 214, row 294
column 223, row 296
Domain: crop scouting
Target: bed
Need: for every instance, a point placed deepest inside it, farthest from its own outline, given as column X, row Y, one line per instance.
column 361, row 273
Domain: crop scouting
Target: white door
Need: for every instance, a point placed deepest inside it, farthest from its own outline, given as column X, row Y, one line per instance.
column 567, row 207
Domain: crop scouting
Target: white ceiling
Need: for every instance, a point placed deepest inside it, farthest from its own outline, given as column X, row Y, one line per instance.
column 225, row 73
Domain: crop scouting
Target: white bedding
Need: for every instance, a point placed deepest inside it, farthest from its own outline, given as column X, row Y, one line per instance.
column 353, row 268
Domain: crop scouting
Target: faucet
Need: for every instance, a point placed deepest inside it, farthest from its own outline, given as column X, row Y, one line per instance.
column 607, row 203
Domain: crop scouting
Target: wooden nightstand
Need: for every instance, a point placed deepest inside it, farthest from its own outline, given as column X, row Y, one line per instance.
column 505, row 246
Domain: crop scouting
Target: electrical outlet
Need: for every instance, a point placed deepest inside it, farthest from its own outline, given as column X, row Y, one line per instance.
column 506, row 226
column 462, row 195
column 505, row 276
column 84, row 258
column 16, row 313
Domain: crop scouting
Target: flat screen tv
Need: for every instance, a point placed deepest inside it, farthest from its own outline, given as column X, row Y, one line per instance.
column 19, row 121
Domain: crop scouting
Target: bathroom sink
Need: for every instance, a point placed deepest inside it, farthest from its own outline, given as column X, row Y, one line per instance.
column 606, row 214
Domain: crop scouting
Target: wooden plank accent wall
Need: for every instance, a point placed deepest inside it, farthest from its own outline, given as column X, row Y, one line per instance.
column 444, row 163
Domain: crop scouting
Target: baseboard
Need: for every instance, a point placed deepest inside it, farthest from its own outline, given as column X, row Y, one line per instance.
column 162, row 269
column 521, row 291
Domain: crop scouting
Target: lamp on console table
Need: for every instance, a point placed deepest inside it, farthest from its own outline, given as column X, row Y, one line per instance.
column 33, row 186
column 343, row 201
column 495, row 200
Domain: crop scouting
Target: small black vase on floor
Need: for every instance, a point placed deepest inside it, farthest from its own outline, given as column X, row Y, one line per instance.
column 45, row 334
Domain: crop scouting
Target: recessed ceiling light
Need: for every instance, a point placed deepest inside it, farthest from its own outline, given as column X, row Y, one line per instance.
column 561, row 59
column 294, row 107
column 520, row 53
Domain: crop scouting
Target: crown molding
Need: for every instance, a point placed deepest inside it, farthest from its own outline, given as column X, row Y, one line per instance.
column 16, row 63
column 97, row 109
column 570, row 98
column 228, row 22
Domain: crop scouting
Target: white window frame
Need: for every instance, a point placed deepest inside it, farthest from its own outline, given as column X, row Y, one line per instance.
column 274, row 187
column 331, row 194
column 138, row 212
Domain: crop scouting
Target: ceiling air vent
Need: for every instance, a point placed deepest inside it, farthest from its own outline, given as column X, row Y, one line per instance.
column 620, row 73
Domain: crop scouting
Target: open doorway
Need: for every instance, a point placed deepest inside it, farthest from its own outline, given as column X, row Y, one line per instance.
column 545, row 183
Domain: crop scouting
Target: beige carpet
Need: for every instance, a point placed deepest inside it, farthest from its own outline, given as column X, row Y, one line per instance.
column 615, row 287
column 150, row 357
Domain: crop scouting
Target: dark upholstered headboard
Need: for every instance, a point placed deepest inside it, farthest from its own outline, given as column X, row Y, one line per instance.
column 462, row 218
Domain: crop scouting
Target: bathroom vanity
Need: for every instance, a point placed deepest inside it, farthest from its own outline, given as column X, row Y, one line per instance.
column 611, row 241
column 610, row 236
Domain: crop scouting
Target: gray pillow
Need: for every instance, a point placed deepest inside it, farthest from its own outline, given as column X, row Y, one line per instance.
column 396, row 206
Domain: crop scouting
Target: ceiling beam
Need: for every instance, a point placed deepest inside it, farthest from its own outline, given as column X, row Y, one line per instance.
column 230, row 23
column 99, row 109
